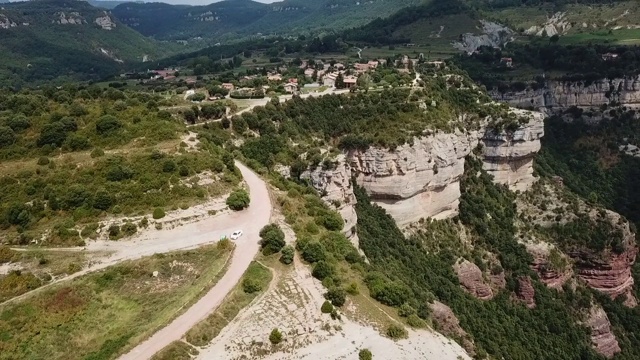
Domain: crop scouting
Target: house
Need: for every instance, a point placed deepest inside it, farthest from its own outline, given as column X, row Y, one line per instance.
column 350, row 81
column 338, row 66
column 609, row 56
column 309, row 72
column 373, row 64
column 228, row 86
column 274, row 77
column 293, row 81
column 290, row 87
column 361, row 67
column 507, row 61
column 330, row 79
column 166, row 74
column 437, row 63
column 191, row 80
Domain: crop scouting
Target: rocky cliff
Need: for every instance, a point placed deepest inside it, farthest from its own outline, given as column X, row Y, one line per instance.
column 558, row 94
column 472, row 280
column 334, row 185
column 602, row 337
column 421, row 179
column 552, row 275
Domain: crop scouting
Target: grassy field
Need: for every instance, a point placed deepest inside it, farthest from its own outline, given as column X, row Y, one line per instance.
column 208, row 329
column 101, row 315
column 619, row 37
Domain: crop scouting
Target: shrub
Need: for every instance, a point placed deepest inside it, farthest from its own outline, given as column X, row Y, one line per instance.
column 107, row 124
column 406, row 310
column 332, row 221
column 365, row 354
column 96, row 153
column 326, row 307
column 287, row 255
column 396, row 332
column 272, row 239
column 337, row 296
column 7, row 136
column 352, row 289
column 250, row 286
column 73, row 268
column 313, row 252
column 415, row 321
column 322, row 270
column 129, row 229
column 114, row 232
column 5, row 254
column 158, row 213
column 275, row 337
column 43, row 160
column 238, row 200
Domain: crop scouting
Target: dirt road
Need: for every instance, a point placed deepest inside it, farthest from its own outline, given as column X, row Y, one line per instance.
column 250, row 221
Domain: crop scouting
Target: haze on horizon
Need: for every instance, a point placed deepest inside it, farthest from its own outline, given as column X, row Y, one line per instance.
column 182, row 2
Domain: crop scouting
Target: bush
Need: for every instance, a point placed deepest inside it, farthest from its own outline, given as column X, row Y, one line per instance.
column 158, row 213
column 406, row 310
column 396, row 332
column 73, row 268
column 332, row 221
column 129, row 229
column 287, row 255
column 96, row 153
column 5, row 254
column 43, row 160
column 251, row 286
column 352, row 289
column 322, row 270
column 114, row 232
column 238, row 200
column 107, row 124
column 365, row 354
column 7, row 136
column 272, row 239
column 314, row 252
column 416, row 322
column 326, row 307
column 275, row 337
column 337, row 296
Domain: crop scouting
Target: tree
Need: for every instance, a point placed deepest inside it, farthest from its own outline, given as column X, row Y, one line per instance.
column 275, row 337
column 238, row 200
column 107, row 124
column 337, row 296
column 190, row 116
column 287, row 255
column 365, row 354
column 250, row 286
column 364, row 81
column 326, row 307
column 158, row 213
column 103, row 200
column 554, row 39
column 7, row 136
column 322, row 270
column 272, row 239
column 340, row 82
column 52, row 134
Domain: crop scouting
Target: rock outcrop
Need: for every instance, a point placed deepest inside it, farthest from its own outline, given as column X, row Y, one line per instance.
column 422, row 179
column 416, row 180
column 105, row 22
column 471, row 280
column 334, row 185
column 72, row 18
column 5, row 23
column 551, row 275
column 610, row 272
column 559, row 94
column 509, row 156
column 448, row 324
column 525, row 292
column 602, row 337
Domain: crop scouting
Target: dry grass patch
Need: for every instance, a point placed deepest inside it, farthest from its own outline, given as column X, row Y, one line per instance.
column 104, row 314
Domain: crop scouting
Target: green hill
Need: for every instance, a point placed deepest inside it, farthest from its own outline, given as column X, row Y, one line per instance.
column 43, row 40
column 241, row 18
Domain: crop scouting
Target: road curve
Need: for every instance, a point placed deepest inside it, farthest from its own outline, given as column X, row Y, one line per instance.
column 250, row 221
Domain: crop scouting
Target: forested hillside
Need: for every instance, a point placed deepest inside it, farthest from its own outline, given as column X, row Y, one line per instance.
column 241, row 18
column 46, row 40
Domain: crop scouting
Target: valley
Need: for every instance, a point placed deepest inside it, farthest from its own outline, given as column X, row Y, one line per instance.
column 319, row 180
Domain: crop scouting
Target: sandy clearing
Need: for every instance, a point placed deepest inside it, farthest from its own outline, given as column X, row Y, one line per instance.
column 293, row 306
column 250, row 221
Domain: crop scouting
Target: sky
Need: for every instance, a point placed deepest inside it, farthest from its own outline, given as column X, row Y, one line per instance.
column 203, row 2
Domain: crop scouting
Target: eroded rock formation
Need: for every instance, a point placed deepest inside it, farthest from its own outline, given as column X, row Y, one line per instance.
column 334, row 185
column 552, row 275
column 509, row 156
column 448, row 324
column 526, row 292
column 602, row 337
column 472, row 281
column 105, row 22
column 560, row 94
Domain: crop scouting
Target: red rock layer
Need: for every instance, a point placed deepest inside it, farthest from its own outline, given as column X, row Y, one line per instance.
column 609, row 274
column 526, row 292
column 604, row 342
column 471, row 279
column 549, row 276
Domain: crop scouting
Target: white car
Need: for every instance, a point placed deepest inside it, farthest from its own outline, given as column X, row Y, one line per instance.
column 236, row 234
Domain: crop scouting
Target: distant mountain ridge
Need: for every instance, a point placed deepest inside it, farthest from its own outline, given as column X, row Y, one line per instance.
column 48, row 39
column 233, row 18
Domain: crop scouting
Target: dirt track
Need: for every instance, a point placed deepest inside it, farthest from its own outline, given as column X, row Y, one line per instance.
column 250, row 221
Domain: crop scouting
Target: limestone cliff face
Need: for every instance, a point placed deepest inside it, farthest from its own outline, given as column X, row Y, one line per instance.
column 509, row 156
column 602, row 337
column 334, row 185
column 416, row 180
column 422, row 179
column 566, row 94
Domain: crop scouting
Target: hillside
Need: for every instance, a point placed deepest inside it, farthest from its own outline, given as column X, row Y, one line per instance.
column 233, row 18
column 44, row 40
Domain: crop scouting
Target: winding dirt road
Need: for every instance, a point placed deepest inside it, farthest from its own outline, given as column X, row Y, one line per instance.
column 250, row 221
